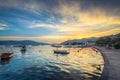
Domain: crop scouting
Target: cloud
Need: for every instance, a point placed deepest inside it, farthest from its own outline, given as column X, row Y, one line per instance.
column 77, row 20
column 36, row 24
column 3, row 26
column 61, row 38
column 73, row 18
column 60, row 27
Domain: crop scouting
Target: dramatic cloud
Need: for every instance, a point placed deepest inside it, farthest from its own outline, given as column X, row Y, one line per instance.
column 60, row 18
column 2, row 26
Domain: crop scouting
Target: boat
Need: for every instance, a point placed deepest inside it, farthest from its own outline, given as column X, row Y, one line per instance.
column 61, row 51
column 6, row 55
column 56, row 45
column 23, row 49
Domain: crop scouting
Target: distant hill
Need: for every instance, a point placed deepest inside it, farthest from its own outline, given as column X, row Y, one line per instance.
column 113, row 36
column 80, row 40
column 23, row 42
column 89, row 39
column 109, row 41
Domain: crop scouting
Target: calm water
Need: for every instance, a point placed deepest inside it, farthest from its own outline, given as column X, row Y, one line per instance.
column 40, row 63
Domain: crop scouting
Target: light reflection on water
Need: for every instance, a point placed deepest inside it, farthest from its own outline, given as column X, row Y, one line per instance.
column 40, row 63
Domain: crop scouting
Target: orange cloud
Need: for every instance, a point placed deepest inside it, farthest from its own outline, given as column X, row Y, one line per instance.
column 77, row 24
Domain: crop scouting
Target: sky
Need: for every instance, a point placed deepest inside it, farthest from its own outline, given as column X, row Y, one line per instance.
column 55, row 21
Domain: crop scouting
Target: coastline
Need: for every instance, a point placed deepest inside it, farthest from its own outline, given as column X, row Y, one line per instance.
column 106, row 65
column 111, row 69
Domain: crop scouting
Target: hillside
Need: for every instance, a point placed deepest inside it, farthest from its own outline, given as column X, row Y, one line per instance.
column 90, row 39
column 80, row 40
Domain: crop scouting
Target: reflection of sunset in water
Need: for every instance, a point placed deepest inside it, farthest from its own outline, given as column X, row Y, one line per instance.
column 40, row 61
column 87, row 59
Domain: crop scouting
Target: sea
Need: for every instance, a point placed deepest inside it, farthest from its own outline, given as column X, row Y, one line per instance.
column 41, row 63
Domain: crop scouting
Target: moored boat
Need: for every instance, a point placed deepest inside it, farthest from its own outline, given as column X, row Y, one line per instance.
column 23, row 49
column 6, row 55
column 61, row 51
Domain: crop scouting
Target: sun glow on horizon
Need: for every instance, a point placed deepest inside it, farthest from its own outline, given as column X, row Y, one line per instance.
column 58, row 21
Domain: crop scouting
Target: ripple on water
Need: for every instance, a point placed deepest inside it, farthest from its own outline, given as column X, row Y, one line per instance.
column 40, row 63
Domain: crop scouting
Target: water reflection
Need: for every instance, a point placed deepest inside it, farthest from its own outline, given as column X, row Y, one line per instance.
column 23, row 50
column 40, row 63
column 23, row 53
column 5, row 61
column 5, row 58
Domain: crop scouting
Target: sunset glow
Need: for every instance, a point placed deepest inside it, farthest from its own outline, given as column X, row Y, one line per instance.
column 58, row 20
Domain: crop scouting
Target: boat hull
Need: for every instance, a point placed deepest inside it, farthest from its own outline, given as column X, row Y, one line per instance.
column 6, row 56
column 61, row 52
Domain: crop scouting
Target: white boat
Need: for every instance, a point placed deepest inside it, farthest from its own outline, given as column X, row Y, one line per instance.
column 56, row 45
column 61, row 51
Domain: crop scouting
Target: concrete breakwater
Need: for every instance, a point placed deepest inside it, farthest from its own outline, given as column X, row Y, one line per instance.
column 111, row 69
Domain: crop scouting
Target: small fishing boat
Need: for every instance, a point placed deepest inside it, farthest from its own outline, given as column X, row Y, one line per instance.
column 23, row 49
column 61, row 51
column 56, row 45
column 6, row 55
